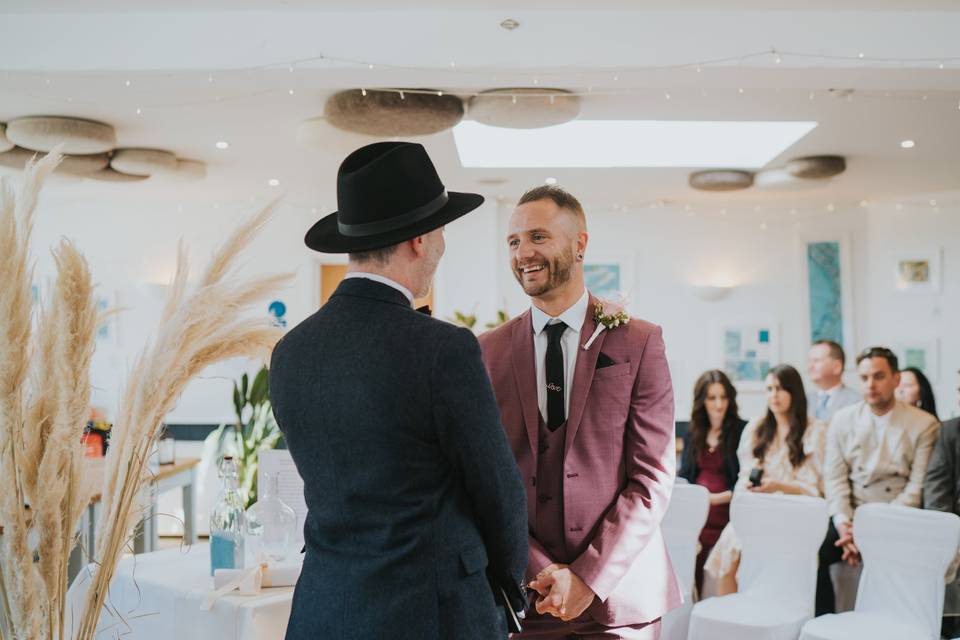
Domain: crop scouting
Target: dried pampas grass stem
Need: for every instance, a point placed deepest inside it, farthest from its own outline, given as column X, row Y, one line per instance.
column 198, row 328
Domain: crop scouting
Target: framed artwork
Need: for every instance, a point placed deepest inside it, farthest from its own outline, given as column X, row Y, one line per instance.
column 108, row 331
column 747, row 351
column 827, row 290
column 922, row 354
column 609, row 275
column 917, row 271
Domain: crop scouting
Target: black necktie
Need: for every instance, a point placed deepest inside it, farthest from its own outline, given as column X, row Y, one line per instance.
column 553, row 367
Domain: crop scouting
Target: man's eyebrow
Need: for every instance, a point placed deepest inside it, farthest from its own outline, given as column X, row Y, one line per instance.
column 528, row 231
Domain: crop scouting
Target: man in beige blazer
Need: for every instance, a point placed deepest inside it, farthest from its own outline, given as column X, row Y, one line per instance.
column 877, row 451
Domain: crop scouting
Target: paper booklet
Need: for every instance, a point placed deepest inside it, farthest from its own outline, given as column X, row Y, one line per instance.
column 291, row 485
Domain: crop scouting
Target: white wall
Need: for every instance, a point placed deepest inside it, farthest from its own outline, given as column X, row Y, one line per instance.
column 895, row 316
column 131, row 246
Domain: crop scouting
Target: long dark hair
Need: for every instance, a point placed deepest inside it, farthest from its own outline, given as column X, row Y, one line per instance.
column 791, row 382
column 927, row 402
column 700, row 421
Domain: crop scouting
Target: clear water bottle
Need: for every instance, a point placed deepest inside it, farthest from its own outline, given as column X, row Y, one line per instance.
column 227, row 521
column 271, row 523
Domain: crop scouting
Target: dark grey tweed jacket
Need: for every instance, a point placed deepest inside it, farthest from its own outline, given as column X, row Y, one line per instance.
column 410, row 484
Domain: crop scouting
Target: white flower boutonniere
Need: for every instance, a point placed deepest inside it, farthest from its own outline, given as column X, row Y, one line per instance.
column 609, row 315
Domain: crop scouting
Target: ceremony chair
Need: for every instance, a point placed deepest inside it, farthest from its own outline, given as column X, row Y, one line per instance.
column 689, row 506
column 777, row 577
column 905, row 554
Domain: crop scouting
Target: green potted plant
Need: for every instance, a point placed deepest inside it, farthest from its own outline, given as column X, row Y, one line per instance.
column 254, row 430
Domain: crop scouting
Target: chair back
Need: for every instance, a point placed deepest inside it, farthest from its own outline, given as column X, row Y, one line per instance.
column 906, row 552
column 681, row 526
column 780, row 537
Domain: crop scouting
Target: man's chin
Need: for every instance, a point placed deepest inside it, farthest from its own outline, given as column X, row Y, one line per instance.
column 535, row 291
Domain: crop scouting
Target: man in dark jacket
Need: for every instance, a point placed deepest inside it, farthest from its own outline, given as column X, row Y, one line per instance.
column 941, row 491
column 941, row 486
column 413, row 494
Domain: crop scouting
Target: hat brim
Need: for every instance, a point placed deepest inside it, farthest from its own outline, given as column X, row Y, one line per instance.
column 325, row 236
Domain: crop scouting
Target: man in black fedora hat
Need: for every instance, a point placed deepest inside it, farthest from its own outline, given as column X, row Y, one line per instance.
column 416, row 507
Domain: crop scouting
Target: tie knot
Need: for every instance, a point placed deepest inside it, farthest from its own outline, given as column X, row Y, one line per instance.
column 555, row 331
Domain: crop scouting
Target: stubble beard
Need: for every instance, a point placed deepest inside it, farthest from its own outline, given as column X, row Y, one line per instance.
column 560, row 270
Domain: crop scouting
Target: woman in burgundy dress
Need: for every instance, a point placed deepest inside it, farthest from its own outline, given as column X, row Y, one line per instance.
column 710, row 453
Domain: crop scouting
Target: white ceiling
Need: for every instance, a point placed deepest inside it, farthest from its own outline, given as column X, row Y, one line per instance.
column 77, row 64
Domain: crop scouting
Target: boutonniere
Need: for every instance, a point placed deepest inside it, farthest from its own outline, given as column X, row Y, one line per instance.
column 608, row 315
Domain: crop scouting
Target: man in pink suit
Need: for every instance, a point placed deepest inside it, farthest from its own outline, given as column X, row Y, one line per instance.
column 592, row 430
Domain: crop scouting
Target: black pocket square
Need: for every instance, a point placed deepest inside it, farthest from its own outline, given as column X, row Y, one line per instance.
column 604, row 361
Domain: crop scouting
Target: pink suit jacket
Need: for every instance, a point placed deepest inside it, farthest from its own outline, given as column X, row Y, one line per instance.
column 619, row 460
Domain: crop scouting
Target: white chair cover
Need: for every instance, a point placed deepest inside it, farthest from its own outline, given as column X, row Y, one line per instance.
column 777, row 578
column 689, row 506
column 906, row 553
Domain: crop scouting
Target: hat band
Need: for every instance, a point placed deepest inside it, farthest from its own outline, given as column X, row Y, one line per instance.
column 397, row 222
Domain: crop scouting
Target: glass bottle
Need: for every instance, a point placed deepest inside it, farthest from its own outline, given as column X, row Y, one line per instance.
column 271, row 523
column 227, row 521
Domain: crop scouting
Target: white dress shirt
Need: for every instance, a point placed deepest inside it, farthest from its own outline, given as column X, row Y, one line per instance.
column 573, row 317
column 382, row 280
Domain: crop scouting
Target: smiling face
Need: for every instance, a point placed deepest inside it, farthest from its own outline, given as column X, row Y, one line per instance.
column 543, row 241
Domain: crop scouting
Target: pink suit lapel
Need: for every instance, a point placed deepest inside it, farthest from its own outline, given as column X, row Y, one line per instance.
column 583, row 373
column 525, row 375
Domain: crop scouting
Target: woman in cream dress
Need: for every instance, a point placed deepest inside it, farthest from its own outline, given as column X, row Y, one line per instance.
column 789, row 446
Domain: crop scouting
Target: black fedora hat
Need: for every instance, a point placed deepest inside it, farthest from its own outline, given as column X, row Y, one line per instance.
column 387, row 192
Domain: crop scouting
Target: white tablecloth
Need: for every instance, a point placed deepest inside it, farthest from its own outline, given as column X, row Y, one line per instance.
column 157, row 596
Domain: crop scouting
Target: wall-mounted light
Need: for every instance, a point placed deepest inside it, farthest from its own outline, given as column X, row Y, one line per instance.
column 710, row 293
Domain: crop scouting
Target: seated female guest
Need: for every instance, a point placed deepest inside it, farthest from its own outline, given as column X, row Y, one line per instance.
column 916, row 390
column 782, row 452
column 710, row 453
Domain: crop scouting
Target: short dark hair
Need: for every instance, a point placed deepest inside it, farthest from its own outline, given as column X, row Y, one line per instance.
column 379, row 256
column 836, row 351
column 560, row 197
column 880, row 352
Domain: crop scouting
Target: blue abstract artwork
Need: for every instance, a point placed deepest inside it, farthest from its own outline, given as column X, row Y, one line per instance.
column 826, row 301
column 603, row 280
column 747, row 353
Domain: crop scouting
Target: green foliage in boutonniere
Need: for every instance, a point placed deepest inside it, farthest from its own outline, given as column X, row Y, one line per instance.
column 608, row 315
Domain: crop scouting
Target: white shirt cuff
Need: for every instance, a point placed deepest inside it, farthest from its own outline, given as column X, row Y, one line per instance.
column 839, row 520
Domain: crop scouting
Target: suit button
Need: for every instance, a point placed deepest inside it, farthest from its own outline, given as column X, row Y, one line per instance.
column 533, row 480
column 544, row 499
column 888, row 489
column 573, row 475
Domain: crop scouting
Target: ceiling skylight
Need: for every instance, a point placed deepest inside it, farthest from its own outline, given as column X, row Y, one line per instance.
column 628, row 143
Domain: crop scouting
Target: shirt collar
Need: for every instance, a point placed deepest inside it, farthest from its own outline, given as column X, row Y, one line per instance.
column 831, row 392
column 573, row 317
column 382, row 280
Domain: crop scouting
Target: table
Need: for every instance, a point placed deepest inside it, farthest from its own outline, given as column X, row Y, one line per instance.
column 181, row 474
column 158, row 596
